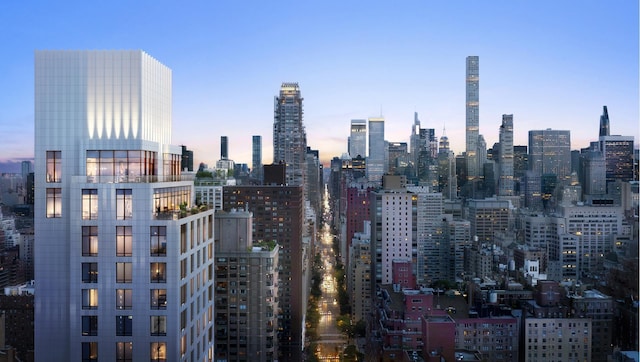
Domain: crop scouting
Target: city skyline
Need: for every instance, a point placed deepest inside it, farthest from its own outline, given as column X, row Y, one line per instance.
column 542, row 62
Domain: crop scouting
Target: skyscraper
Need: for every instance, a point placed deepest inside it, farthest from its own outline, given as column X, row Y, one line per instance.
column 289, row 135
column 447, row 180
column 256, row 157
column 415, row 142
column 115, row 255
column 376, row 165
column 224, row 148
column 472, row 118
column 505, row 165
column 278, row 214
column 618, row 155
column 604, row 122
column 358, row 138
column 186, row 163
column 398, row 157
column 550, row 153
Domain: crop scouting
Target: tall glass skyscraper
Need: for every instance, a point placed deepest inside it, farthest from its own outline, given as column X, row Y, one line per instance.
column 256, row 157
column 505, row 165
column 115, row 253
column 376, row 161
column 358, row 138
column 472, row 116
column 604, row 122
column 550, row 153
column 289, row 135
column 618, row 155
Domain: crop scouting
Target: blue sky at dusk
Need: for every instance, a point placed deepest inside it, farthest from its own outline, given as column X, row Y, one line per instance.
column 552, row 64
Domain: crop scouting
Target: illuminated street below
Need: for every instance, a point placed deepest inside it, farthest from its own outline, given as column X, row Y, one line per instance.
column 331, row 343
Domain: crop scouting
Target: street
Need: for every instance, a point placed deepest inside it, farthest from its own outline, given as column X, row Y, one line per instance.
column 331, row 342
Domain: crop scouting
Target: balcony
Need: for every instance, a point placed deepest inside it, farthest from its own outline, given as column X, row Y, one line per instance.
column 180, row 213
column 133, row 179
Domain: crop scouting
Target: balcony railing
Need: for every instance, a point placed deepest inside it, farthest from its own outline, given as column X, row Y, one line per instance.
column 180, row 213
column 136, row 179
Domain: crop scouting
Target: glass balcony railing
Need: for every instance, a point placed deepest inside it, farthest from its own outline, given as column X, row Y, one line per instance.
column 135, row 179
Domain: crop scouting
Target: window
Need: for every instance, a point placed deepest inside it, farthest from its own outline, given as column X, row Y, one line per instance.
column 54, row 203
column 121, row 165
column 158, row 272
column 123, row 241
column 158, row 352
column 158, row 241
column 124, row 351
column 123, row 273
column 124, row 325
column 89, row 241
column 89, row 298
column 124, row 299
column 54, row 166
column 89, row 325
column 158, row 325
column 89, row 351
column 158, row 299
column 89, row 204
column 124, row 207
column 89, row 272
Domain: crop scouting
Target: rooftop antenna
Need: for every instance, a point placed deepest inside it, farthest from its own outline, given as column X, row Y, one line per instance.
column 381, row 111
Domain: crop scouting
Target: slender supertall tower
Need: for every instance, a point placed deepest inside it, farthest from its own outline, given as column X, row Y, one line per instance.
column 505, row 166
column 415, row 141
column 472, row 116
column 604, row 122
column 289, row 136
column 256, row 157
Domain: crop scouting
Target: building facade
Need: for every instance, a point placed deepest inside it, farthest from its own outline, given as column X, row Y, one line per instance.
column 376, row 160
column 358, row 138
column 550, row 153
column 278, row 214
column 472, row 115
column 289, row 135
column 505, row 162
column 393, row 231
column 119, row 241
column 246, row 278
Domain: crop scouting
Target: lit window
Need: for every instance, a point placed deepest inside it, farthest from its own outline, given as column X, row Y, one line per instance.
column 158, row 241
column 158, row 351
column 89, row 351
column 89, row 325
column 89, row 204
column 89, row 241
column 124, row 207
column 158, row 299
column 54, row 203
column 158, row 272
column 124, row 351
column 123, row 273
column 54, row 166
column 124, row 325
column 123, row 241
column 158, row 325
column 89, row 272
column 89, row 298
column 124, row 299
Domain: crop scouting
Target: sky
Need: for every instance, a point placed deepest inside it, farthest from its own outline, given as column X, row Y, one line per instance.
column 552, row 64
